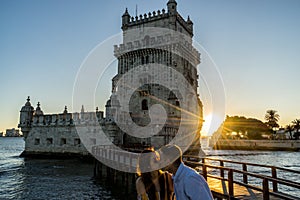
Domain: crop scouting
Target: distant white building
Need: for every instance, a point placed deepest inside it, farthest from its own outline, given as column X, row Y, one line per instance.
column 283, row 134
column 12, row 132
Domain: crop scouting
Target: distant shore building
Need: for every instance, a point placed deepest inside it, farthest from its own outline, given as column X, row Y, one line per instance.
column 57, row 133
column 12, row 133
column 1, row 134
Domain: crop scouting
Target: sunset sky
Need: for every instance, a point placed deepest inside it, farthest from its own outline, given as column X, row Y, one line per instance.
column 254, row 44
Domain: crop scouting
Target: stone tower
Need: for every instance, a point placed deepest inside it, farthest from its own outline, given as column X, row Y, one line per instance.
column 141, row 49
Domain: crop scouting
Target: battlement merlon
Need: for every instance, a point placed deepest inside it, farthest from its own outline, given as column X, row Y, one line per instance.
column 68, row 119
column 170, row 19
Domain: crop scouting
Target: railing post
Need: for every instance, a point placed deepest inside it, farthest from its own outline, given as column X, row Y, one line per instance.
column 204, row 170
column 266, row 189
column 221, row 169
column 274, row 175
column 245, row 176
column 230, row 183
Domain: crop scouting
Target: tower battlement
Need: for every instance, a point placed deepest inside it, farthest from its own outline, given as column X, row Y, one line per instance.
column 160, row 18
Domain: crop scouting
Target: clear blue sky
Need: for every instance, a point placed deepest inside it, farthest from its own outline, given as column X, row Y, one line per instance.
column 255, row 44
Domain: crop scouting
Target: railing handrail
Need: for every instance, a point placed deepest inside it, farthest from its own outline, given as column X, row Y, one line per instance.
column 251, row 164
column 279, row 180
column 265, row 179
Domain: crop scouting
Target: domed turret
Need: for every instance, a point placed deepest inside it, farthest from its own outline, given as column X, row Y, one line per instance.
column 38, row 110
column 108, row 103
column 26, row 115
column 108, row 110
column 66, row 110
column 172, row 7
column 190, row 23
column 125, row 19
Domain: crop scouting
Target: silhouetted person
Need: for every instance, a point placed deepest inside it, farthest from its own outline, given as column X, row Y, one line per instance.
column 152, row 183
column 188, row 184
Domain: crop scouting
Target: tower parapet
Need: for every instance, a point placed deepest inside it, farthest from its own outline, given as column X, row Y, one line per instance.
column 160, row 18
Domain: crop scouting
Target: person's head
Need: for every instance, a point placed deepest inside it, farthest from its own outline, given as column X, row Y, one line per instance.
column 148, row 162
column 172, row 157
column 148, row 170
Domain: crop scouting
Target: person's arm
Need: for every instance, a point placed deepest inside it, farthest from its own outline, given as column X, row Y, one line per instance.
column 169, row 181
column 196, row 188
column 140, row 189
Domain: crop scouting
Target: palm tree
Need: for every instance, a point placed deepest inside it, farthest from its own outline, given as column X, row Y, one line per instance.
column 289, row 128
column 296, row 124
column 272, row 118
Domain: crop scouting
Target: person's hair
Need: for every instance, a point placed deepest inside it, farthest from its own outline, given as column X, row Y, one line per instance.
column 144, row 171
column 144, row 161
column 173, row 153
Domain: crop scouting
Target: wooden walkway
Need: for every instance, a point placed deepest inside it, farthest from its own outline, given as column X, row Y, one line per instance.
column 223, row 184
column 220, row 190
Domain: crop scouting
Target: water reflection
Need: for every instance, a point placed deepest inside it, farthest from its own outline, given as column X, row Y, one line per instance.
column 60, row 179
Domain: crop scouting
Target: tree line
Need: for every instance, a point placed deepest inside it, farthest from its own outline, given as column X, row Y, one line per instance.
column 240, row 127
column 272, row 118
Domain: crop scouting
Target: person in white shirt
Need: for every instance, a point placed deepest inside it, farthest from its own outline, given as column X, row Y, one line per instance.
column 188, row 184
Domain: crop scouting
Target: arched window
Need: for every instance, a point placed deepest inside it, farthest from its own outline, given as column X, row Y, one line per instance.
column 147, row 40
column 145, row 104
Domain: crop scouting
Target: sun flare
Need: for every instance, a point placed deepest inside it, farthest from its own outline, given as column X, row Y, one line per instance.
column 211, row 124
column 206, row 124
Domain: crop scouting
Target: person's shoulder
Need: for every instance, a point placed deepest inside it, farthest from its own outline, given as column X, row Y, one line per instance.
column 193, row 176
column 140, row 187
column 139, row 181
column 191, row 172
column 167, row 174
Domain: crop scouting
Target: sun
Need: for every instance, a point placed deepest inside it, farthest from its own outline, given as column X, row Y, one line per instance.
column 206, row 125
column 211, row 124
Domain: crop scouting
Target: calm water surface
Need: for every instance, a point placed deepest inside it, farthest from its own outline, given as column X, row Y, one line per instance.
column 72, row 179
column 22, row 178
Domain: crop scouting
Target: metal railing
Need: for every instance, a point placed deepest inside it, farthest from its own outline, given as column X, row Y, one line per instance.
column 264, row 179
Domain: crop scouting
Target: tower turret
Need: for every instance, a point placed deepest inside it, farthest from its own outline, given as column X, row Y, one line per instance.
column 125, row 19
column 66, row 110
column 190, row 24
column 26, row 115
column 172, row 7
column 38, row 110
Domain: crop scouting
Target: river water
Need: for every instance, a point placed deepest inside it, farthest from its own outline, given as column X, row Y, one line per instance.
column 24, row 178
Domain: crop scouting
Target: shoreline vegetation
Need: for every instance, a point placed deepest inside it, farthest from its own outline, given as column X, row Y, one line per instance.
column 240, row 127
column 241, row 133
column 254, row 145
